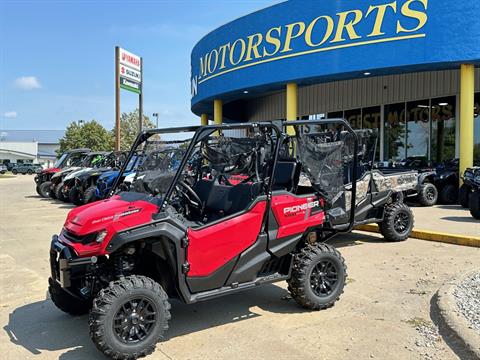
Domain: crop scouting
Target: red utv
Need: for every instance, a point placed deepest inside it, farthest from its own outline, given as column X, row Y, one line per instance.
column 185, row 231
column 66, row 160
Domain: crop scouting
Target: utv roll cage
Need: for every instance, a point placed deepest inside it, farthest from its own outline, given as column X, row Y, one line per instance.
column 277, row 127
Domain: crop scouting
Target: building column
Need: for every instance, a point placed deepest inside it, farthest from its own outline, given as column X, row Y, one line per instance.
column 218, row 112
column 292, row 105
column 467, row 94
column 204, row 119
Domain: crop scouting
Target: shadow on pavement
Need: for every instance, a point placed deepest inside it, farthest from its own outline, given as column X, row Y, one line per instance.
column 464, row 219
column 40, row 326
column 450, row 207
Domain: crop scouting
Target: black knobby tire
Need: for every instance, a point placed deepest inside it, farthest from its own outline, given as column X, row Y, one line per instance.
column 58, row 192
column 45, row 189
column 475, row 205
column 75, row 196
column 37, row 189
column 90, row 195
column 427, row 194
column 14, row 172
column 29, row 172
column 112, row 334
column 397, row 224
column 464, row 196
column 67, row 302
column 449, row 194
column 398, row 197
column 318, row 277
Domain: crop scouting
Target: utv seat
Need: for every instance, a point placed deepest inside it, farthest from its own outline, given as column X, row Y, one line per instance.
column 287, row 174
column 222, row 200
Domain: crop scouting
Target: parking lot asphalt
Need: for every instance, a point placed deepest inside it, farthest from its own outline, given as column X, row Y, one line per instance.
column 386, row 311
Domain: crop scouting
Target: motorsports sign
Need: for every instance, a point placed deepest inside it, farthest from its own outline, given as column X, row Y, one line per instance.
column 130, row 71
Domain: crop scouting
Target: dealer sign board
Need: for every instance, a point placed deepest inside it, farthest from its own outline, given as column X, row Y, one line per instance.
column 130, row 71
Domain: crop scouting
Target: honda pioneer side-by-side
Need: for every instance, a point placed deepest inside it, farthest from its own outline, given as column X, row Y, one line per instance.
column 68, row 159
column 210, row 214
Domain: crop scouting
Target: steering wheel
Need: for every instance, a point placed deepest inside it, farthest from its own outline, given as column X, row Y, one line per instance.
column 188, row 193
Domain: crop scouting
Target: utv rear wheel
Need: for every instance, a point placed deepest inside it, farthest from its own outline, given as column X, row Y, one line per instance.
column 464, row 196
column 129, row 317
column 318, row 277
column 45, row 189
column 75, row 196
column 449, row 194
column 89, row 195
column 397, row 223
column 427, row 195
column 475, row 205
column 65, row 301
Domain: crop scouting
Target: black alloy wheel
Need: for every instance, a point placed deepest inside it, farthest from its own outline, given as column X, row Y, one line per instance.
column 135, row 319
column 401, row 222
column 324, row 278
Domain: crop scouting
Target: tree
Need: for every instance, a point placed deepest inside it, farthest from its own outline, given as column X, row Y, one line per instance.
column 90, row 134
column 129, row 128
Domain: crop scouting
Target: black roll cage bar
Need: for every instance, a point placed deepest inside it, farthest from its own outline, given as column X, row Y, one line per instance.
column 277, row 126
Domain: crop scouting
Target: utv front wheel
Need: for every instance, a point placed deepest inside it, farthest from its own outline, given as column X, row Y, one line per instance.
column 475, row 205
column 59, row 192
column 427, row 195
column 397, row 223
column 318, row 277
column 449, row 194
column 75, row 196
column 65, row 301
column 464, row 196
column 89, row 195
column 45, row 189
column 129, row 317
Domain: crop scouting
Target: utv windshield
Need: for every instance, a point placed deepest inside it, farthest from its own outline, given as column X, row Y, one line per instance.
column 205, row 174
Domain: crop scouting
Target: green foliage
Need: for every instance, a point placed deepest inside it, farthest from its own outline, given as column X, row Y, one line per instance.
column 90, row 134
column 129, row 128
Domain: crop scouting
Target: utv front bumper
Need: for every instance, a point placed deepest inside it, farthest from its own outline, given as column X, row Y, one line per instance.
column 65, row 265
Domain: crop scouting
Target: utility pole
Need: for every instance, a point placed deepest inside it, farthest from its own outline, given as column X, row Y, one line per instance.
column 117, row 100
column 140, row 99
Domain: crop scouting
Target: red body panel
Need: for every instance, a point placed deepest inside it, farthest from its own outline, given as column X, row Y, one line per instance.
column 112, row 215
column 294, row 214
column 212, row 247
column 50, row 170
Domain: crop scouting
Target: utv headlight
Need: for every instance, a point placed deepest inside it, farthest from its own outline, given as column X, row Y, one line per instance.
column 101, row 236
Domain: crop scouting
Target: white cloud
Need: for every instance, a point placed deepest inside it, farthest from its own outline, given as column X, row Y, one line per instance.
column 10, row 114
column 27, row 83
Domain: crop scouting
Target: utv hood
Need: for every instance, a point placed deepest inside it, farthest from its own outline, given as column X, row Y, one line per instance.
column 114, row 214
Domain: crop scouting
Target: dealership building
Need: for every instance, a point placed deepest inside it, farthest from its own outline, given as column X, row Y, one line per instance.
column 408, row 68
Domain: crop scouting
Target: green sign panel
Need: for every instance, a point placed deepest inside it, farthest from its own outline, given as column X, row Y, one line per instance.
column 130, row 85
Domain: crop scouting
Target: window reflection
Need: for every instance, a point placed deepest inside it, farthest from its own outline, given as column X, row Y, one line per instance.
column 418, row 128
column 395, row 132
column 443, row 129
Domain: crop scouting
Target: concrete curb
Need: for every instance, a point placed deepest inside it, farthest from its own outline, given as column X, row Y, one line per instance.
column 457, row 326
column 432, row 236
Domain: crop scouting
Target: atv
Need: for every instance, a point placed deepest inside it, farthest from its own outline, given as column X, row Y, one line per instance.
column 470, row 191
column 106, row 180
column 68, row 159
column 57, row 187
column 469, row 186
column 210, row 215
column 81, row 187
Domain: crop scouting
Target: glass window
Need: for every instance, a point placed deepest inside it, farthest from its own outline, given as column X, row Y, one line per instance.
column 443, row 129
column 371, row 120
column 476, row 138
column 418, row 128
column 335, row 115
column 354, row 118
column 395, row 132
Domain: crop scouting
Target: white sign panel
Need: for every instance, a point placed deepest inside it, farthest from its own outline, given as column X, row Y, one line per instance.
column 129, row 59
column 130, row 73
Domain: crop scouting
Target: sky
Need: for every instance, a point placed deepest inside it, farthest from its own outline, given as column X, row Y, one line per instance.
column 57, row 57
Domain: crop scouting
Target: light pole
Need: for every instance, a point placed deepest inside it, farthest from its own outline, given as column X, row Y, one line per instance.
column 156, row 115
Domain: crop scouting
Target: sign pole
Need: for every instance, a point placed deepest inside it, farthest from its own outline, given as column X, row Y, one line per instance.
column 140, row 99
column 117, row 99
